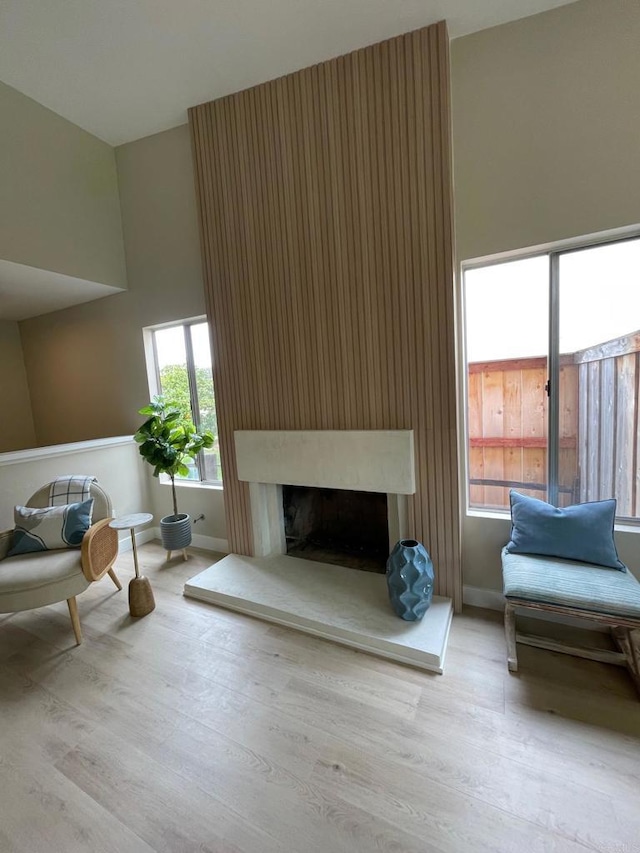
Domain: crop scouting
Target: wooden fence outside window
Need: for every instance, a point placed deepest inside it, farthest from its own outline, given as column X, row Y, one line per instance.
column 598, row 436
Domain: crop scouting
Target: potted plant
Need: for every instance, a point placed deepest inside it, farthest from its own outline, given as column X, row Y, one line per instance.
column 168, row 439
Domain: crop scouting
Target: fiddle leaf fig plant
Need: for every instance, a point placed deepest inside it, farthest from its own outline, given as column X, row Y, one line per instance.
column 168, row 439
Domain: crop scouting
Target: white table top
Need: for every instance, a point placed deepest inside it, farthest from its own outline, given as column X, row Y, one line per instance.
column 134, row 519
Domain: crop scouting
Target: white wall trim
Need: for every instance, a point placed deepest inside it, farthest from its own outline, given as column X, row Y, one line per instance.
column 15, row 457
column 207, row 543
column 142, row 537
column 479, row 596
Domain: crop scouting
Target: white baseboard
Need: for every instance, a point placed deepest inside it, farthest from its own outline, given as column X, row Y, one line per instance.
column 124, row 544
column 493, row 599
column 207, row 543
column 480, row 596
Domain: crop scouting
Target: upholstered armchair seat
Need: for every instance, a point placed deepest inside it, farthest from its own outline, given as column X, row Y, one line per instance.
column 30, row 581
column 45, row 577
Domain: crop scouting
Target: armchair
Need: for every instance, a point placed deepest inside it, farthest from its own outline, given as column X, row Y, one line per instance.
column 45, row 577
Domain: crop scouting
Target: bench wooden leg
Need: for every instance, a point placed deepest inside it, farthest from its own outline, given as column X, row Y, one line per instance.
column 510, row 634
column 628, row 641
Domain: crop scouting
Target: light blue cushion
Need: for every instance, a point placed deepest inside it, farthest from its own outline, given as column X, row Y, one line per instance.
column 564, row 583
column 583, row 532
column 50, row 528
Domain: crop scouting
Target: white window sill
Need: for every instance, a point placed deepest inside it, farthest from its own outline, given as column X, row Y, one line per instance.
column 625, row 527
column 192, row 484
column 505, row 515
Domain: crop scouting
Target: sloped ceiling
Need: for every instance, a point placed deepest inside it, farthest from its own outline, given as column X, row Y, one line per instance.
column 123, row 70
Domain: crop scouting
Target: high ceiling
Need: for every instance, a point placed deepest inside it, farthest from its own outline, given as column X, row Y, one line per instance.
column 123, row 69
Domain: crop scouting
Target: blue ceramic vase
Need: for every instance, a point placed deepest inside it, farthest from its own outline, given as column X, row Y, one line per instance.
column 410, row 579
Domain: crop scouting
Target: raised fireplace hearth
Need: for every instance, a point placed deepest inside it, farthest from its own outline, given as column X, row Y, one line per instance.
column 372, row 468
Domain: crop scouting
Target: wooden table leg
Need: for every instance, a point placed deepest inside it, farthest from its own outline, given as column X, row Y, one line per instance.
column 141, row 600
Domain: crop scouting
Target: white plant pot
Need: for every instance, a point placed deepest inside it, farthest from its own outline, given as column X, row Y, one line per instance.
column 175, row 531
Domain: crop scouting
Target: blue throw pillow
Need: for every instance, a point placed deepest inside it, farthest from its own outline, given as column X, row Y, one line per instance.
column 583, row 532
column 50, row 528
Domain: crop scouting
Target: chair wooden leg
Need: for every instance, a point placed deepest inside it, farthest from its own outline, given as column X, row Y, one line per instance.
column 510, row 634
column 114, row 578
column 75, row 619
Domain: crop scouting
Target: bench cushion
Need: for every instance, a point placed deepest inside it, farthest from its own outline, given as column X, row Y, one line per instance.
column 565, row 583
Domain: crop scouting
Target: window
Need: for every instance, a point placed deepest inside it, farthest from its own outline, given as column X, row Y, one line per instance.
column 553, row 371
column 179, row 363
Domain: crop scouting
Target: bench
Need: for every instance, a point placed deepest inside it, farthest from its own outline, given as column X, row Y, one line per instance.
column 579, row 590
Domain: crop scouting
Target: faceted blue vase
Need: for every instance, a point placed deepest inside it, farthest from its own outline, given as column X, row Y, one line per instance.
column 410, row 579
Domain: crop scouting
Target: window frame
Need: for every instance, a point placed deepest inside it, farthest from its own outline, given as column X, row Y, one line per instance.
column 155, row 385
column 554, row 251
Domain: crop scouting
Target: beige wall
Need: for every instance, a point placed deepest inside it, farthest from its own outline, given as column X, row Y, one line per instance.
column 97, row 347
column 59, row 207
column 17, row 422
column 546, row 127
column 86, row 364
column 194, row 500
column 546, row 130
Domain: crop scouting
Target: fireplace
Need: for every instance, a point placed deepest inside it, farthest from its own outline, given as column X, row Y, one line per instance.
column 338, row 526
column 378, row 462
column 337, row 472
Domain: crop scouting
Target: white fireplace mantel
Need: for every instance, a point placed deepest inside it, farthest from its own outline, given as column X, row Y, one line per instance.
column 360, row 460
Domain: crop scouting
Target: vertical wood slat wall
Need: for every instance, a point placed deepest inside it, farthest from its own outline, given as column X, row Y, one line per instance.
column 325, row 202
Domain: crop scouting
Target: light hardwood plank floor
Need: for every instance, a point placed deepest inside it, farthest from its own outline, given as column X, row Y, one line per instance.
column 197, row 729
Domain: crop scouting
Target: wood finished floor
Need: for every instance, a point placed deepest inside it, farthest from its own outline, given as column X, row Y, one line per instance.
column 196, row 729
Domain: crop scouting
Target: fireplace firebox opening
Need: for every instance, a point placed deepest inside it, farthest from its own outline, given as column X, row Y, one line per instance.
column 339, row 526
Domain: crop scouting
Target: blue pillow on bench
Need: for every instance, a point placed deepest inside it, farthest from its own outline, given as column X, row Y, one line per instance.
column 583, row 532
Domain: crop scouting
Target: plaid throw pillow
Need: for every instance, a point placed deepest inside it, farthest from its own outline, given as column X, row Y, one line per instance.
column 50, row 528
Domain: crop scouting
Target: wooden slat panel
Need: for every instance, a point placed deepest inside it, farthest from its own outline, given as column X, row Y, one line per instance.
column 476, row 472
column 500, row 365
column 568, row 420
column 492, row 404
column 493, row 426
column 568, row 432
column 499, row 441
column 326, row 228
column 593, row 431
column 607, row 427
column 512, row 401
column 636, row 429
column 626, row 425
column 513, row 468
column 534, row 465
column 610, row 349
column 534, row 403
column 583, row 433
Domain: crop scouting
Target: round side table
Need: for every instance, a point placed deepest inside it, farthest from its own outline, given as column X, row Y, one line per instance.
column 141, row 600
